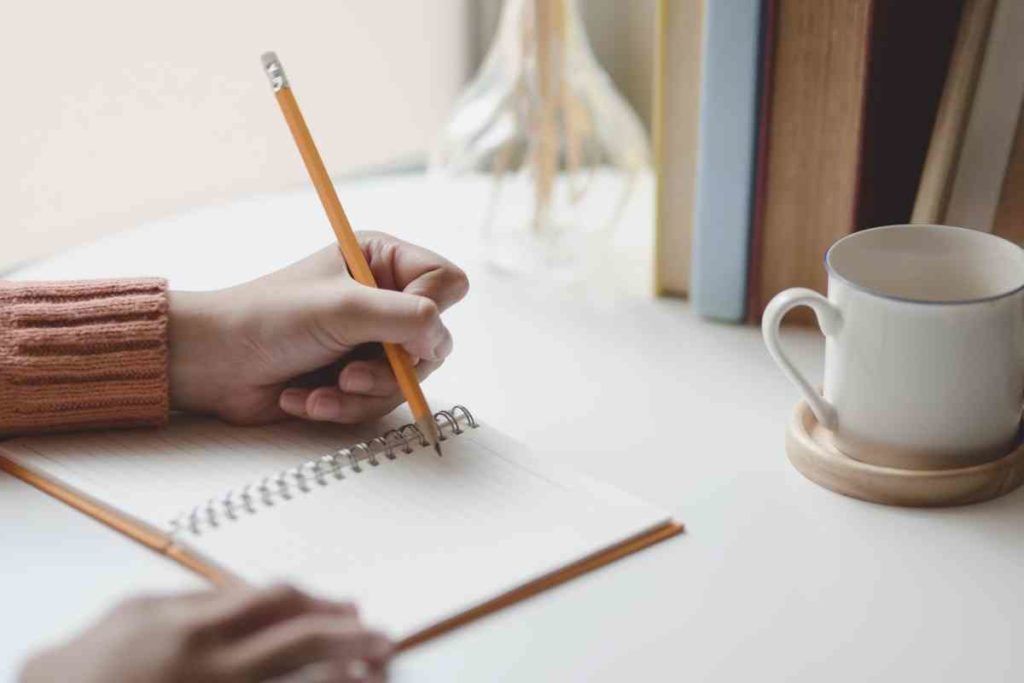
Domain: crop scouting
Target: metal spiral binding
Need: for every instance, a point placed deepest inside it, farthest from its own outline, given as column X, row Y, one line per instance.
column 286, row 484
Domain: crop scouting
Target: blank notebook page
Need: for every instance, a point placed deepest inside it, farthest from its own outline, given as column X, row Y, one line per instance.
column 413, row 540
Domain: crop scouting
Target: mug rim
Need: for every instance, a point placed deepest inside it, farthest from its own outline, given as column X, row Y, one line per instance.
column 832, row 272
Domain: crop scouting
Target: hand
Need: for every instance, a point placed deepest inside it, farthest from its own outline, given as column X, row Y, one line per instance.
column 237, row 634
column 294, row 342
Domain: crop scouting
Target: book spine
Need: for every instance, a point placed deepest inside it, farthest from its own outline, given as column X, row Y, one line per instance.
column 816, row 133
column 1009, row 219
column 726, row 158
column 675, row 131
column 991, row 124
column 764, row 103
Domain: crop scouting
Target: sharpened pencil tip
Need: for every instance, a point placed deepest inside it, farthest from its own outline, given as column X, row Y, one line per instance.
column 429, row 432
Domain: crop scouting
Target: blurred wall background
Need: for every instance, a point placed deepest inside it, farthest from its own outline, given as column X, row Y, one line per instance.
column 118, row 112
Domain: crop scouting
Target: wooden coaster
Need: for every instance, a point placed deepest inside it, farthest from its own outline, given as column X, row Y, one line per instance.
column 809, row 449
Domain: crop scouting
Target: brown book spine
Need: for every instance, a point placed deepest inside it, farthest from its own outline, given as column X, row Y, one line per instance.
column 816, row 129
column 1009, row 219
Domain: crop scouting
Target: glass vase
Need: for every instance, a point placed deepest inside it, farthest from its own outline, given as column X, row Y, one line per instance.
column 558, row 148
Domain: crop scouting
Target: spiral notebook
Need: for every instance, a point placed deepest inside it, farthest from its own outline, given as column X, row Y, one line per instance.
column 422, row 543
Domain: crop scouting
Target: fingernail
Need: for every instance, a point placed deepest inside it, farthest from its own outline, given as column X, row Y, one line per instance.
column 293, row 401
column 325, row 406
column 442, row 350
column 356, row 380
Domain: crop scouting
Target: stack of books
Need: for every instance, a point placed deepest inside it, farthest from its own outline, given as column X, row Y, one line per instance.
column 783, row 125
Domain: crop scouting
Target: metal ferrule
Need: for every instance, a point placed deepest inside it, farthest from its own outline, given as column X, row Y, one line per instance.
column 275, row 72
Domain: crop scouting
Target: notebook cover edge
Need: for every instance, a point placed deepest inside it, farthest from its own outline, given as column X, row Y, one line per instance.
column 567, row 573
column 166, row 547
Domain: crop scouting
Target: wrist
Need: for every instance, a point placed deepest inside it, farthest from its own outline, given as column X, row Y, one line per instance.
column 194, row 322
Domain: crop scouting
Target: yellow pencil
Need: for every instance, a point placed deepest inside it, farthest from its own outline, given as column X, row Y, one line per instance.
column 350, row 249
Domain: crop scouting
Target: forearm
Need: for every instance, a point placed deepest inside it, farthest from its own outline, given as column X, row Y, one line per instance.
column 77, row 355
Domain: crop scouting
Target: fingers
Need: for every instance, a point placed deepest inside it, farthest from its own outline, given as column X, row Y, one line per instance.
column 366, row 389
column 240, row 611
column 284, row 647
column 329, row 404
column 406, row 267
column 235, row 634
column 375, row 377
column 365, row 314
column 396, row 265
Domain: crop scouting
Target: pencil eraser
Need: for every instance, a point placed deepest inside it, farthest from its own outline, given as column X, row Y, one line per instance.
column 269, row 58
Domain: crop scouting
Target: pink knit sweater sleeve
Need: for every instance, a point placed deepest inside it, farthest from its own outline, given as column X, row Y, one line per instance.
column 76, row 355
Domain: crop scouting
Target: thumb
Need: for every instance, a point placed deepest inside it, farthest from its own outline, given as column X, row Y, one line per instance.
column 381, row 315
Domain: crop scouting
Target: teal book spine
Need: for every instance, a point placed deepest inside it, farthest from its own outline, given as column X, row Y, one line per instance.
column 726, row 158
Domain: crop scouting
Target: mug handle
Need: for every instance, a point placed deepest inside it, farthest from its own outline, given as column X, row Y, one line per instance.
column 829, row 320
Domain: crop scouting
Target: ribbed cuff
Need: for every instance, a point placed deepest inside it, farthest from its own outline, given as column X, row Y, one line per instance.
column 76, row 355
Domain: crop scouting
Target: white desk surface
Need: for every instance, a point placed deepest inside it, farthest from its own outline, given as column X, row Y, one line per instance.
column 775, row 579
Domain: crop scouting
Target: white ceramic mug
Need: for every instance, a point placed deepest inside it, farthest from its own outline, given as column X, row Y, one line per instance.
column 924, row 350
